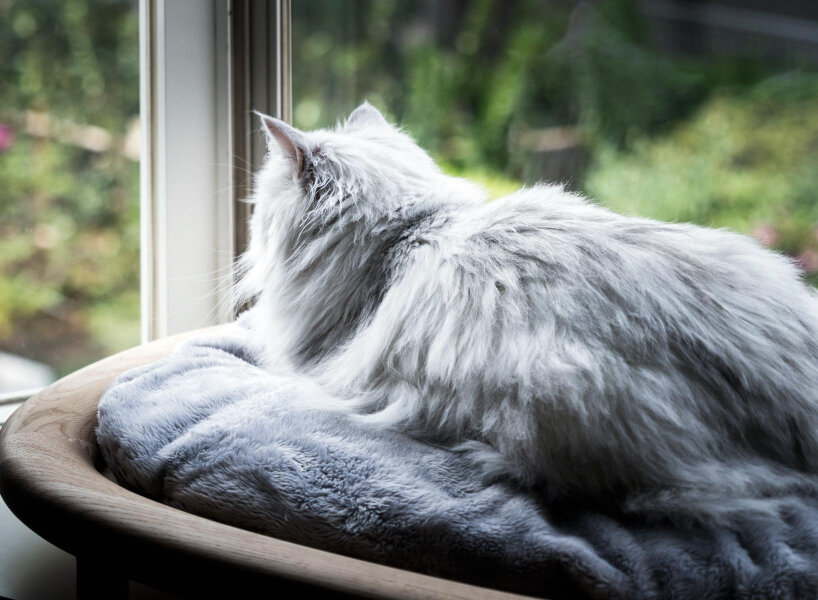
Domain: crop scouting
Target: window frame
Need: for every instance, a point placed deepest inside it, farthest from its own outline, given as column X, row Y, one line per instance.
column 232, row 58
column 204, row 68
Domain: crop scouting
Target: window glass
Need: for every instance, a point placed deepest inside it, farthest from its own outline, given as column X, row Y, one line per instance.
column 69, row 177
column 704, row 112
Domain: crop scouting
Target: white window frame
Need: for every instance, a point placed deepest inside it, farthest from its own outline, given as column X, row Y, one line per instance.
column 206, row 66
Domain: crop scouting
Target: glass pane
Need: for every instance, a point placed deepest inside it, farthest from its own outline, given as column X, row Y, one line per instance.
column 69, row 186
column 650, row 107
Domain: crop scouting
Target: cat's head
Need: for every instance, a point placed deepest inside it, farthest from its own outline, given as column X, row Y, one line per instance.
column 335, row 212
column 362, row 171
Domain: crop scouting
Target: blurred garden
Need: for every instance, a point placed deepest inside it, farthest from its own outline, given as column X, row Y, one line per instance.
column 516, row 91
column 502, row 91
column 69, row 179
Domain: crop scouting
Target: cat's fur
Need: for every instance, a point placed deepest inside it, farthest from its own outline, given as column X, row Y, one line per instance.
column 662, row 365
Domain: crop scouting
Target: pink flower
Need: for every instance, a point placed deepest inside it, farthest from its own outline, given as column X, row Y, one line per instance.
column 6, row 137
column 808, row 260
column 765, row 234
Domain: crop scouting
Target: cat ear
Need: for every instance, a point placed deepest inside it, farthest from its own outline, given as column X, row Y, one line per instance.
column 285, row 139
column 366, row 115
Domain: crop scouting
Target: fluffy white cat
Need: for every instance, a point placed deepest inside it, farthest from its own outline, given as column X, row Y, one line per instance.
column 662, row 366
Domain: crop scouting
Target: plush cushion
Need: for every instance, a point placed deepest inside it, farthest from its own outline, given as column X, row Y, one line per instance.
column 209, row 431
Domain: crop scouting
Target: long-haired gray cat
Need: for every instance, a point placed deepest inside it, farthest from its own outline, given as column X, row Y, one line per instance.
column 669, row 367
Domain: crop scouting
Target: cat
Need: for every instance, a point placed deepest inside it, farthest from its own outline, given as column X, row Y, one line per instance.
column 666, row 367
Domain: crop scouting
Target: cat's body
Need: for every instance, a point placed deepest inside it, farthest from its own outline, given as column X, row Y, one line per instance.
column 601, row 355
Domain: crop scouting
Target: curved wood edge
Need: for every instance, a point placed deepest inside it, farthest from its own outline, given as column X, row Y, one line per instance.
column 49, row 480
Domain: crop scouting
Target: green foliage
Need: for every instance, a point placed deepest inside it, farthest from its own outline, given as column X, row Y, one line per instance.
column 720, row 140
column 69, row 244
column 458, row 84
column 747, row 162
column 69, row 217
column 495, row 183
column 464, row 82
column 74, row 58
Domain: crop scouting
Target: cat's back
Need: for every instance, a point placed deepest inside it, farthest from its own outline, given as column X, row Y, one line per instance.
column 628, row 285
column 578, row 243
column 545, row 262
column 655, row 320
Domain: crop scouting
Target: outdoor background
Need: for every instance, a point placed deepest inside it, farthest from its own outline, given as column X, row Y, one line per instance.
column 69, row 184
column 687, row 111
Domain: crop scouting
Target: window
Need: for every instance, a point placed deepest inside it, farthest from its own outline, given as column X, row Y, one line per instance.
column 704, row 112
column 82, row 198
column 206, row 67
column 69, row 187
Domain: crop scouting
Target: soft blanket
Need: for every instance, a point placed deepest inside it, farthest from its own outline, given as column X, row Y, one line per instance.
column 209, row 431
